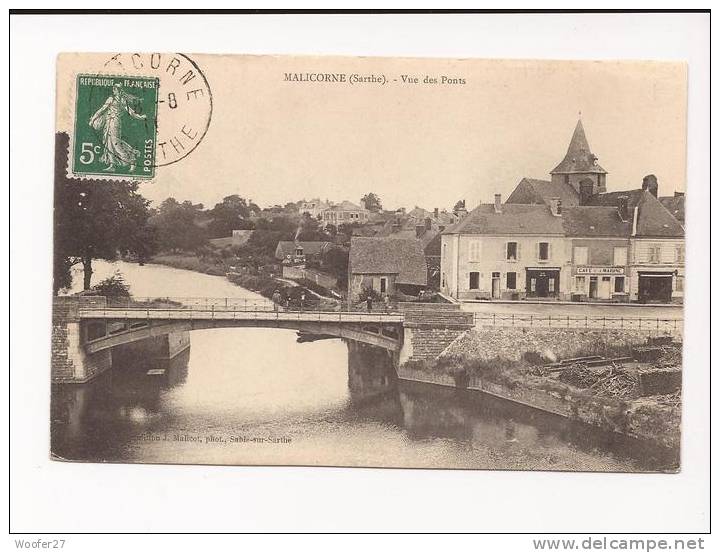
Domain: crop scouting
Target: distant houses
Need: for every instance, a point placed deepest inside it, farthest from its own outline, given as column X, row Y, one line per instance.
column 344, row 213
column 295, row 252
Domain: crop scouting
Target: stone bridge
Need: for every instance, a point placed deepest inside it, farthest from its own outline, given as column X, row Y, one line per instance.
column 87, row 328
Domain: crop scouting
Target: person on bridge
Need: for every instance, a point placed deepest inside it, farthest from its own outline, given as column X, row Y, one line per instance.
column 386, row 299
column 369, row 303
column 276, row 299
column 302, row 299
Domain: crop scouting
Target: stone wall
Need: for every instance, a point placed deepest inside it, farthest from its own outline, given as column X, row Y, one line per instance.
column 559, row 343
column 429, row 329
column 69, row 362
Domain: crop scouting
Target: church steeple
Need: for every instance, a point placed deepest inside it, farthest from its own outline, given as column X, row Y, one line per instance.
column 579, row 164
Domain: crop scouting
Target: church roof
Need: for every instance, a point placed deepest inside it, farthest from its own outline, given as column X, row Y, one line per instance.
column 536, row 191
column 579, row 158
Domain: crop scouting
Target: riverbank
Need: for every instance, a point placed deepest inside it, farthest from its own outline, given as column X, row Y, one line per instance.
column 618, row 396
column 261, row 283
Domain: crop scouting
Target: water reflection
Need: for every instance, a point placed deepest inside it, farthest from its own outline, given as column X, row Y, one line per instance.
column 335, row 402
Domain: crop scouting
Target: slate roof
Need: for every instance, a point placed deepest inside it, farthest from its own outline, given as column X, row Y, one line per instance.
column 287, row 247
column 513, row 219
column 675, row 205
column 595, row 221
column 387, row 255
column 579, row 158
column 653, row 219
column 536, row 191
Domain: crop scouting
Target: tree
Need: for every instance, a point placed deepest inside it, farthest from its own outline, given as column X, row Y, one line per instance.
column 459, row 205
column 175, row 226
column 113, row 286
column 231, row 214
column 93, row 220
column 372, row 202
column 335, row 262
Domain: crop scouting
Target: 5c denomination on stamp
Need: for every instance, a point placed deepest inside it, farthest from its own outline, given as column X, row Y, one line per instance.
column 115, row 126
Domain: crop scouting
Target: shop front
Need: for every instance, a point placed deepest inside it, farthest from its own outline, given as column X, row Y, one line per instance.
column 599, row 283
column 542, row 282
column 655, row 286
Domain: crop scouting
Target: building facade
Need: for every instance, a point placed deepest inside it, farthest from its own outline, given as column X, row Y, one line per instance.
column 344, row 213
column 388, row 266
column 503, row 251
column 621, row 246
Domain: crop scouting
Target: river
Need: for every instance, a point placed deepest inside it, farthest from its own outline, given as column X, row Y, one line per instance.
column 257, row 396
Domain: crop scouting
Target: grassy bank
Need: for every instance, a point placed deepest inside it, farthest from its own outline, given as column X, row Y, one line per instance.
column 610, row 398
column 261, row 283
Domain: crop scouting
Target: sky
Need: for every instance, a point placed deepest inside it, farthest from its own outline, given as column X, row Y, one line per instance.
column 429, row 145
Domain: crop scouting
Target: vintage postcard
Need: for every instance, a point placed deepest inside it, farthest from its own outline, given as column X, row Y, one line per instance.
column 369, row 262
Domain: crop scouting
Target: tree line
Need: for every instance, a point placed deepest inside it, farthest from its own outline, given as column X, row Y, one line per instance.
column 109, row 219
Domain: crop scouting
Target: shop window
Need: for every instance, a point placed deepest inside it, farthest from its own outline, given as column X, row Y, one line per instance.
column 511, row 251
column 580, row 284
column 474, row 280
column 620, row 256
column 533, row 284
column 551, row 285
column 619, row 285
column 511, row 281
column 543, row 251
column 580, row 255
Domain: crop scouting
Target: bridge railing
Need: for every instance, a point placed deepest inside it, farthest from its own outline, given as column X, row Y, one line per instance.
column 568, row 321
column 191, row 303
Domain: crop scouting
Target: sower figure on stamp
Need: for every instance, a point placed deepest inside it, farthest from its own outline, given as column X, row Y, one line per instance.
column 107, row 121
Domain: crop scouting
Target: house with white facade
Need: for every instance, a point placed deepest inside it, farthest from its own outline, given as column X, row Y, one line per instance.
column 504, row 251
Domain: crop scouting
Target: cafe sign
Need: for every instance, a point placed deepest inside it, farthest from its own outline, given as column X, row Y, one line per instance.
column 600, row 270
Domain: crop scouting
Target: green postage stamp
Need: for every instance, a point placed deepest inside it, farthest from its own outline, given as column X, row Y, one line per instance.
column 115, row 126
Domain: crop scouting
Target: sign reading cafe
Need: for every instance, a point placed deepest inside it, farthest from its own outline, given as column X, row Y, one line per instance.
column 600, row 271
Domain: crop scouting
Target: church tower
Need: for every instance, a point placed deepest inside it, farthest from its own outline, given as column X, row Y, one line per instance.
column 580, row 166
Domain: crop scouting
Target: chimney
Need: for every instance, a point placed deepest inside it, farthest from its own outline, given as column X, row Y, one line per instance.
column 436, row 213
column 498, row 203
column 622, row 205
column 428, row 223
column 650, row 184
column 679, row 194
column 586, row 191
column 556, row 206
column 419, row 230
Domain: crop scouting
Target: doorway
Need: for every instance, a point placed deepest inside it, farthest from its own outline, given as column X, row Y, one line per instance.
column 605, row 292
column 542, row 283
column 593, row 293
column 496, row 285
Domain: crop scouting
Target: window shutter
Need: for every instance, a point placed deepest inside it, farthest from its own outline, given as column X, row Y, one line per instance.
column 504, row 255
column 537, row 251
column 517, row 251
column 550, row 251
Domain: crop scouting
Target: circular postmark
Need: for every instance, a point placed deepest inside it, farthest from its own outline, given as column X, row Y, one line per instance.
column 184, row 101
